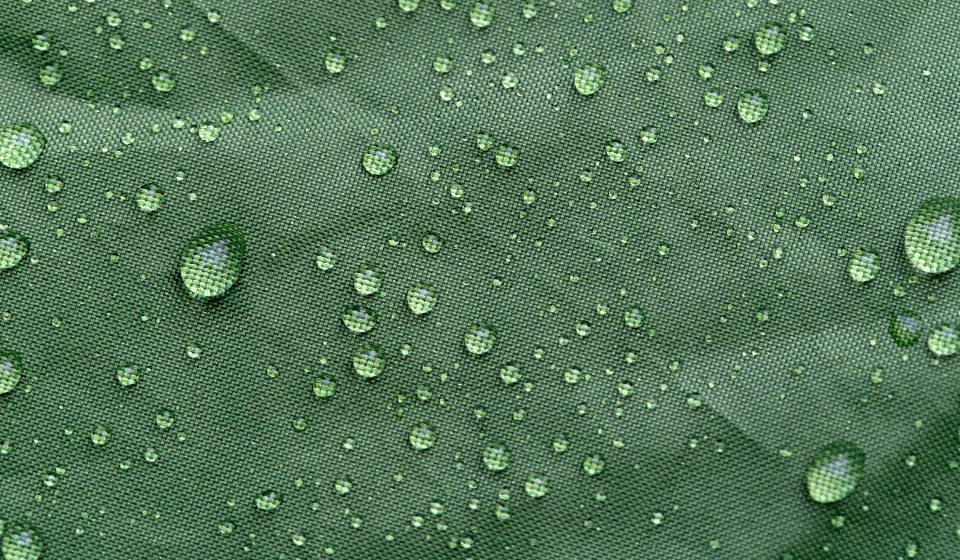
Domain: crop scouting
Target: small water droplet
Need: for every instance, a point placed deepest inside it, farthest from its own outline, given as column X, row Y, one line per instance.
column 835, row 472
column 423, row 436
column 589, row 78
column 944, row 340
column 479, row 338
column 752, row 105
column 21, row 145
column 932, row 237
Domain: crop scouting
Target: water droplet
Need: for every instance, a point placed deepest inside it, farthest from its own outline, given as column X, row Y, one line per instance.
column 536, row 486
column 431, row 242
column 633, row 317
column 326, row 258
column 21, row 543
column 149, row 197
column 324, row 387
column 481, row 14
column 20, row 145
column 128, row 375
column 731, row 43
column 335, row 62
column 423, row 436
column 932, row 238
column 408, row 5
column 268, row 501
column 358, row 319
column 99, row 436
column 479, row 338
column 496, row 457
column 621, row 6
column 368, row 361
column 510, row 373
column 379, row 159
column 10, row 370
column 13, row 247
column 367, row 281
column 211, row 262
column 593, row 464
column 713, row 98
column 421, row 299
column 752, row 105
column 50, row 75
column 507, row 156
column 163, row 81
column 905, row 328
column 864, row 266
column 770, row 38
column 41, row 41
column 164, row 419
column 944, row 340
column 589, row 78
column 835, row 471
column 806, row 33
column 208, row 131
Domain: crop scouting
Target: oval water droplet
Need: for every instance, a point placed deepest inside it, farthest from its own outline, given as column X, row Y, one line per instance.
column 479, row 338
column 211, row 262
column 13, row 247
column 423, row 436
column 21, row 543
column 149, row 197
column 368, row 361
column 752, row 105
column 770, row 38
column 589, row 78
column 379, row 159
column 358, row 319
column 905, row 328
column 932, row 238
column 944, row 340
column 864, row 266
column 421, row 299
column 496, row 457
column 835, row 472
column 10, row 370
column 21, row 145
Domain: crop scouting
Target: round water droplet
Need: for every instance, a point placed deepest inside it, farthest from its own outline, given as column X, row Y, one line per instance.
column 21, row 543
column 326, row 258
column 479, row 338
column 932, row 238
column 507, row 156
column 269, row 501
column 41, row 41
column 149, row 197
column 358, row 319
column 368, row 361
column 208, row 131
column 163, row 81
column 633, row 317
column 616, row 151
column 496, row 457
column 536, row 486
column 20, row 145
column 13, row 247
column 367, row 281
column 752, row 105
column 335, row 62
column 423, row 436
column 99, row 436
column 713, row 98
column 905, row 328
column 128, row 375
column 164, row 419
column 944, row 340
column 593, row 464
column 589, row 78
column 408, row 5
column 481, row 14
column 621, row 6
column 864, row 265
column 431, row 242
column 510, row 373
column 10, row 370
column 211, row 262
column 379, row 159
column 421, row 299
column 835, row 471
column 324, row 387
column 770, row 38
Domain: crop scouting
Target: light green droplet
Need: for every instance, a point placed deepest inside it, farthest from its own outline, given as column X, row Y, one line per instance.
column 368, row 361
column 536, row 486
column 367, row 281
column 10, row 370
column 944, row 340
column 326, row 258
column 633, row 317
column 164, row 419
column 335, row 62
column 431, row 242
column 408, row 5
column 593, row 464
column 479, row 338
column 99, row 436
column 496, row 457
column 379, row 159
column 423, row 436
column 13, row 247
column 770, row 38
column 864, row 266
column 905, row 328
column 835, row 472
column 481, row 14
column 507, row 156
column 621, row 6
column 208, row 131
column 752, row 105
column 163, row 81
column 211, row 262
column 21, row 145
column 510, row 373
column 932, row 237
column 128, row 375
column 21, row 543
column 589, row 78
column 358, row 319
column 324, row 387
column 268, row 501
column 713, row 98
column 149, row 197
column 421, row 299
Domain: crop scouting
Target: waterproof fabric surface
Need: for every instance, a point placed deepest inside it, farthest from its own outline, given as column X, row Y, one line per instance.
column 686, row 317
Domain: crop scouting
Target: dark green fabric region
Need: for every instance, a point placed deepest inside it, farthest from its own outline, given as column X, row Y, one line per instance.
column 688, row 229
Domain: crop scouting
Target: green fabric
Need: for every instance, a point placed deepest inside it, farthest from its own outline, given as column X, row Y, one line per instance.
column 757, row 348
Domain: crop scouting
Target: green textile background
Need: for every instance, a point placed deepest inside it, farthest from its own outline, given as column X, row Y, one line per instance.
column 688, row 229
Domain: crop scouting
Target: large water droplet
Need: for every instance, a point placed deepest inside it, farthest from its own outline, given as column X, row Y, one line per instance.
column 368, row 361
column 13, row 247
column 21, row 543
column 10, row 368
column 835, row 471
column 20, row 145
column 496, row 457
column 479, row 338
column 128, row 375
column 481, row 14
column 536, row 486
column 752, row 105
column 358, row 319
column 379, row 159
column 864, row 266
column 423, row 436
column 589, row 78
column 149, row 197
column 905, row 327
column 944, row 340
column 770, row 38
column 367, row 281
column 421, row 299
column 593, row 464
column 932, row 238
column 211, row 262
